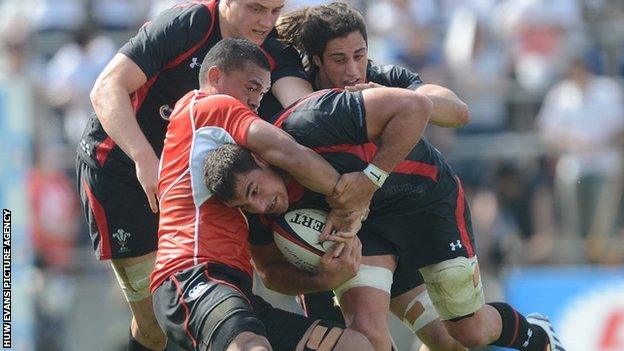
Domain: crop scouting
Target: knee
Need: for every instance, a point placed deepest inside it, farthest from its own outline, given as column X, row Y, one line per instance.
column 353, row 340
column 437, row 338
column 376, row 331
column 469, row 338
column 248, row 341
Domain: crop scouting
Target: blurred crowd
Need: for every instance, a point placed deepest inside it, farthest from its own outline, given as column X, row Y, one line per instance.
column 541, row 159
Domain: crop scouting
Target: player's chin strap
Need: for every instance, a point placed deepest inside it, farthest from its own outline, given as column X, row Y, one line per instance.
column 421, row 303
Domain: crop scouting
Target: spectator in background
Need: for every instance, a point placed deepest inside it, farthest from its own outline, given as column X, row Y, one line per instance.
column 69, row 76
column 581, row 122
column 54, row 228
column 517, row 222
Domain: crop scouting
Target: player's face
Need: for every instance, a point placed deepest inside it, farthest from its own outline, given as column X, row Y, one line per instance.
column 260, row 191
column 252, row 19
column 247, row 85
column 344, row 62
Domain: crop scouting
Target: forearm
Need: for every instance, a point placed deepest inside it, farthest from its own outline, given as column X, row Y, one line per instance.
column 448, row 110
column 287, row 279
column 305, row 165
column 312, row 171
column 290, row 89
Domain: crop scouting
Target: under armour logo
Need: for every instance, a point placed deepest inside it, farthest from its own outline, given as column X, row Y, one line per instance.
column 455, row 246
column 194, row 63
column 529, row 335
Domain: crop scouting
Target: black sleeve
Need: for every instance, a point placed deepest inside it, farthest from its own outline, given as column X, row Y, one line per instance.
column 394, row 76
column 328, row 117
column 285, row 60
column 167, row 36
column 260, row 232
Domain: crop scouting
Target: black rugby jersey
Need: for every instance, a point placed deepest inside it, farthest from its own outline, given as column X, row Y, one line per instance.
column 169, row 50
column 332, row 123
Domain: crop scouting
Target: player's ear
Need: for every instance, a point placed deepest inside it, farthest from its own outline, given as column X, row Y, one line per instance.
column 317, row 60
column 259, row 160
column 214, row 76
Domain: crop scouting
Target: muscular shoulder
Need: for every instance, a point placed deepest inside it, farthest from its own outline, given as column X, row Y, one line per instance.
column 195, row 15
column 393, row 76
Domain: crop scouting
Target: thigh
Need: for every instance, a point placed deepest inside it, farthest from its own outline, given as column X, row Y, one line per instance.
column 120, row 221
column 198, row 312
column 447, row 228
column 400, row 236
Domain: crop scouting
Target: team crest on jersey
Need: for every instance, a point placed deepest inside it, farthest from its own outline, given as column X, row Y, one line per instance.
column 122, row 238
column 165, row 112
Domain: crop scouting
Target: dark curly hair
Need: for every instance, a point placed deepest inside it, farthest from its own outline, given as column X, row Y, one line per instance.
column 311, row 28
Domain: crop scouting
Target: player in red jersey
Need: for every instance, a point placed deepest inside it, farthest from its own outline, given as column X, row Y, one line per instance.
column 117, row 161
column 202, row 280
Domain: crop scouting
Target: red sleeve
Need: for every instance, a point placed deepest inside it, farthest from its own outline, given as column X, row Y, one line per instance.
column 225, row 112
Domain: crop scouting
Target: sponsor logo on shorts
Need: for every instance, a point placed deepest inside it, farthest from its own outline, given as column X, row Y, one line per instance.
column 122, row 238
column 197, row 290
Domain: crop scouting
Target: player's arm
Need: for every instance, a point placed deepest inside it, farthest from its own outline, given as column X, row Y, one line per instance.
column 287, row 90
column 279, row 149
column 279, row 275
column 396, row 119
column 288, row 80
column 448, row 111
column 157, row 43
column 398, row 127
column 111, row 102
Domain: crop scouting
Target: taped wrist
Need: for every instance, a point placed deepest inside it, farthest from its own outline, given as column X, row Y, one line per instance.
column 375, row 174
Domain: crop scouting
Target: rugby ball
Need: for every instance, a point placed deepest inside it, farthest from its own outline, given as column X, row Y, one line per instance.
column 296, row 235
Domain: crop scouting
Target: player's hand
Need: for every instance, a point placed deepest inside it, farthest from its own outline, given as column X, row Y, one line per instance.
column 353, row 192
column 147, row 174
column 342, row 226
column 336, row 269
column 362, row 86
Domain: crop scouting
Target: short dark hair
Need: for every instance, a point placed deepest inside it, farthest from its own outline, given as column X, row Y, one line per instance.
column 232, row 54
column 222, row 167
column 311, row 28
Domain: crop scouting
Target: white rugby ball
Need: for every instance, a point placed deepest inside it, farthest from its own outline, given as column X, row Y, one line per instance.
column 296, row 235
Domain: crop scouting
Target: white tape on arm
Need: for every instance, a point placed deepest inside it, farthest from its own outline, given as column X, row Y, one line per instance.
column 375, row 174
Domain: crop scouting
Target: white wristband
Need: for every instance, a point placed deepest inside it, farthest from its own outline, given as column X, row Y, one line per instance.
column 375, row 174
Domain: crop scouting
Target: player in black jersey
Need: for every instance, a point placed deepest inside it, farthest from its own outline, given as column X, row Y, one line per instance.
column 419, row 221
column 330, row 123
column 333, row 38
column 117, row 161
